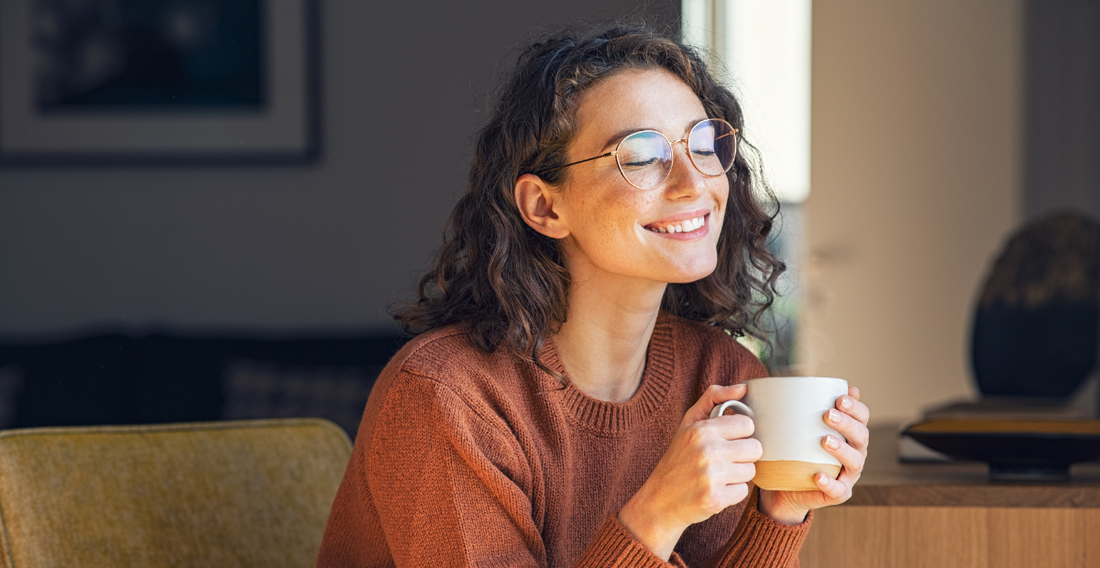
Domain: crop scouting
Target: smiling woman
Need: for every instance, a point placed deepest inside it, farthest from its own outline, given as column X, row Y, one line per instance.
column 576, row 333
column 517, row 281
column 614, row 234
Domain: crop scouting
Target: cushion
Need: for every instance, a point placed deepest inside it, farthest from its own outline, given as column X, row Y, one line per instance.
column 243, row 493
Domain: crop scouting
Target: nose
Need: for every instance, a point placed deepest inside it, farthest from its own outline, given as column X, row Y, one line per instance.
column 684, row 180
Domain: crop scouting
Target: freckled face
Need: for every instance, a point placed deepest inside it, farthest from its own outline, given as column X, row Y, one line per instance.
column 615, row 229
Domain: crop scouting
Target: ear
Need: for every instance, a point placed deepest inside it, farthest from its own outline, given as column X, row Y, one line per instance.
column 536, row 201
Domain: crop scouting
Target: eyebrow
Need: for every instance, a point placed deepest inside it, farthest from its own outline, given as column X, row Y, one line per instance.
column 618, row 136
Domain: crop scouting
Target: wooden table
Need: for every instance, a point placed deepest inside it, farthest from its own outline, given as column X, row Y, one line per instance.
column 942, row 515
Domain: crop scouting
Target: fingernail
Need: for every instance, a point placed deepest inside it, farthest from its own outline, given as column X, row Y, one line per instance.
column 832, row 442
column 845, row 402
column 834, row 416
column 822, row 479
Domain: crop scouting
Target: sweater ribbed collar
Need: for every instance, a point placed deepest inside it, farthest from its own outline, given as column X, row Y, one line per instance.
column 613, row 418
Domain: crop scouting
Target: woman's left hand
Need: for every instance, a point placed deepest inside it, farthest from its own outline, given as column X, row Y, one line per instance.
column 850, row 420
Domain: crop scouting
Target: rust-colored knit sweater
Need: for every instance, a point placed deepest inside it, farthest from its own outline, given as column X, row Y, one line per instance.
column 472, row 459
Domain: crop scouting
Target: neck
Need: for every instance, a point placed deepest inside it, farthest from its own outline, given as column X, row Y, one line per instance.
column 603, row 342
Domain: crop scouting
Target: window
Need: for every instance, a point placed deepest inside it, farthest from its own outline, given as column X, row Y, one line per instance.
column 763, row 49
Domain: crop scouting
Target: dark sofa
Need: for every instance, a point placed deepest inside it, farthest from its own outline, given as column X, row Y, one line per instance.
column 158, row 377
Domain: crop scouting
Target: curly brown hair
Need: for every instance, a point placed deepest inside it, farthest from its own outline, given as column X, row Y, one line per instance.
column 507, row 283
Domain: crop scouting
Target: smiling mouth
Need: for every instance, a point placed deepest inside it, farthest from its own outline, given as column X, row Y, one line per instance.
column 685, row 226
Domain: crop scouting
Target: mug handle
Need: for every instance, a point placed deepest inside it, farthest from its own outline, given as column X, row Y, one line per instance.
column 738, row 407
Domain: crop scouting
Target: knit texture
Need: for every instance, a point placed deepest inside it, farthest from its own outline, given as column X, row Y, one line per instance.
column 472, row 459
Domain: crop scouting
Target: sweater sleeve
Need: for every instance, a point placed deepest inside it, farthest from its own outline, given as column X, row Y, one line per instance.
column 759, row 541
column 451, row 486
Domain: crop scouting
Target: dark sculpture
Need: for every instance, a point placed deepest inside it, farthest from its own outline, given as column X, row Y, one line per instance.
column 1037, row 323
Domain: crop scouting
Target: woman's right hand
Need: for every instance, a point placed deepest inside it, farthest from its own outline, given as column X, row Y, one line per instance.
column 705, row 469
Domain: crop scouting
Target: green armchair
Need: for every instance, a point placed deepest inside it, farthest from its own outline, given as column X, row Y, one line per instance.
column 214, row 494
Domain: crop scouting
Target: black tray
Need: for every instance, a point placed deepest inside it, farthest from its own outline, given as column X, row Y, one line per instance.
column 1014, row 450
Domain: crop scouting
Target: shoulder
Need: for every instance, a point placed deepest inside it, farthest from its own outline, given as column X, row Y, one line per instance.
column 710, row 349
column 443, row 367
column 439, row 351
column 448, row 356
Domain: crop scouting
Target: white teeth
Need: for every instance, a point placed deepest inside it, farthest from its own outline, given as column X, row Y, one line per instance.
column 682, row 226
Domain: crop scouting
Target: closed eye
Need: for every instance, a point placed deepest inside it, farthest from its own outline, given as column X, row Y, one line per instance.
column 643, row 163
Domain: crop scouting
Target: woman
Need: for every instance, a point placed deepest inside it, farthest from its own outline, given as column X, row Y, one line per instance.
column 576, row 333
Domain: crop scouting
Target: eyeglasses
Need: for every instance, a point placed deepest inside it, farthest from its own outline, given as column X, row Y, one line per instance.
column 645, row 157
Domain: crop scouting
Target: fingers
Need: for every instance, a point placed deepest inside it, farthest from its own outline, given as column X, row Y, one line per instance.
column 724, row 439
column 852, row 452
column 734, row 426
column 719, row 458
column 853, row 407
column 745, row 451
column 717, row 394
column 723, row 470
column 731, row 473
column 854, row 431
column 851, row 458
column 835, row 491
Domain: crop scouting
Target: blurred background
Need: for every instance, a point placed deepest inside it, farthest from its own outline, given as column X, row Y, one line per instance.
column 189, row 190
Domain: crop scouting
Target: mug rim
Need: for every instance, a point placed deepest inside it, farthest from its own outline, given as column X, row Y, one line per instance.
column 798, row 377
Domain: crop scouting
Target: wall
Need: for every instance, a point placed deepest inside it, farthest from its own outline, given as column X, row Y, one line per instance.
column 324, row 246
column 1063, row 118
column 916, row 178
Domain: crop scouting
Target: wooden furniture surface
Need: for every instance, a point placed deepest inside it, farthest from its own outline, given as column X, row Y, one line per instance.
column 946, row 515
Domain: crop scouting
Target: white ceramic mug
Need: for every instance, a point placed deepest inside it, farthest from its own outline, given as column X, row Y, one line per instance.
column 788, row 413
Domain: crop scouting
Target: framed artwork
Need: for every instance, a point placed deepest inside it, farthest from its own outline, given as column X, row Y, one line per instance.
column 158, row 81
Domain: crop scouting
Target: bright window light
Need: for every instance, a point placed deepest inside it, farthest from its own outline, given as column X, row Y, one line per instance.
column 765, row 45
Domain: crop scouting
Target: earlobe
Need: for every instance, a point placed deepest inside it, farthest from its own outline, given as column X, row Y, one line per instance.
column 536, row 202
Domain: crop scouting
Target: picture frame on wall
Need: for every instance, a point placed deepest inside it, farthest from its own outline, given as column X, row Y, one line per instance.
column 158, row 82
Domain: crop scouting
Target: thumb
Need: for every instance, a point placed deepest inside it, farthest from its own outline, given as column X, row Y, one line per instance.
column 713, row 396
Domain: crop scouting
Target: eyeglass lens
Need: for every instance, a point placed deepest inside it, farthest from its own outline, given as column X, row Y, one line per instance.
column 645, row 158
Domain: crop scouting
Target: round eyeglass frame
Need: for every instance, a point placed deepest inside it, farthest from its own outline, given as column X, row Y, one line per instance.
column 672, row 153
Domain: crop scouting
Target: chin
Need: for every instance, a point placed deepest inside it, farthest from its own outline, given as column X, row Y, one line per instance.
column 693, row 274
